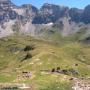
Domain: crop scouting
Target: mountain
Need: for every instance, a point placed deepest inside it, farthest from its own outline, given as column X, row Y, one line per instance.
column 6, row 11
column 50, row 13
column 86, row 15
column 30, row 20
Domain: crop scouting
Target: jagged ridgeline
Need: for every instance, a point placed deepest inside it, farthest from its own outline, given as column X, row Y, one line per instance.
column 47, row 21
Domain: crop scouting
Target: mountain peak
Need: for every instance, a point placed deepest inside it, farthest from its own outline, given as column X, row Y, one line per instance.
column 49, row 5
column 6, row 4
column 5, row 0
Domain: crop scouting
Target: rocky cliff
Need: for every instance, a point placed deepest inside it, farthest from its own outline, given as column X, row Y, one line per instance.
column 30, row 20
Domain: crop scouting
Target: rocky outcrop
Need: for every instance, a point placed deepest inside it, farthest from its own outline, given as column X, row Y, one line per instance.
column 75, row 15
column 50, row 13
column 86, row 15
column 6, row 11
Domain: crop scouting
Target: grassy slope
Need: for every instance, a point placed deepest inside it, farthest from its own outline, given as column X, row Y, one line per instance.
column 46, row 55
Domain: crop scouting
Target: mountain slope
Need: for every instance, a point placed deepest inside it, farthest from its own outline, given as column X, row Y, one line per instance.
column 73, row 57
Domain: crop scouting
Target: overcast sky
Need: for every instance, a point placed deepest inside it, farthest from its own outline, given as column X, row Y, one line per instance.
column 39, row 3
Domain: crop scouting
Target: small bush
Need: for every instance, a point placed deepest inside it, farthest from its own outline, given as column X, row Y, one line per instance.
column 58, row 68
column 28, row 56
column 65, row 72
column 29, row 47
column 53, row 70
column 73, row 72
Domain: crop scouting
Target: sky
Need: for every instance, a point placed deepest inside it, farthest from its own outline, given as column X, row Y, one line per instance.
column 38, row 3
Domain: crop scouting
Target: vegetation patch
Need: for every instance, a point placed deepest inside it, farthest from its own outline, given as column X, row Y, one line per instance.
column 29, row 47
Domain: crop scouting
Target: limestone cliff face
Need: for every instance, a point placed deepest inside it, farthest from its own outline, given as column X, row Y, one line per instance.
column 30, row 20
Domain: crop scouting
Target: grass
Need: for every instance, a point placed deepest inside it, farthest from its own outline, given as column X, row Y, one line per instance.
column 58, row 86
column 46, row 55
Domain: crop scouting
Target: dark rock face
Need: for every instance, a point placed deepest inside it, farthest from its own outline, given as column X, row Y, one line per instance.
column 5, row 16
column 30, row 11
column 86, row 15
column 50, row 13
column 12, row 15
column 75, row 14
column 6, row 4
column 6, row 11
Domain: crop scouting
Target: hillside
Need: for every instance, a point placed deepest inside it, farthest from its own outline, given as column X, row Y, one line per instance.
column 20, row 54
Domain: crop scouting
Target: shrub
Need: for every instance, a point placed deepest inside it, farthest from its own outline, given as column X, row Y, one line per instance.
column 53, row 70
column 29, row 47
column 73, row 72
column 28, row 56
